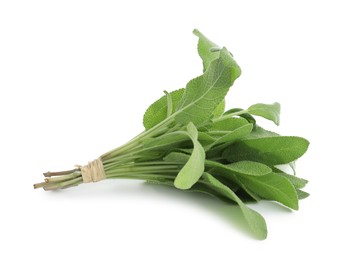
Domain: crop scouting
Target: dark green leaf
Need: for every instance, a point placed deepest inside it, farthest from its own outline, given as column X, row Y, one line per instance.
column 273, row 187
column 268, row 150
column 241, row 168
column 232, row 136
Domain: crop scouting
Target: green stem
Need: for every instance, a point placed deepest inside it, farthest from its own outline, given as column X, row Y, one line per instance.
column 157, row 129
column 63, row 178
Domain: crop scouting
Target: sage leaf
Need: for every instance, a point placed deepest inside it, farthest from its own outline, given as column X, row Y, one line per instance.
column 246, row 116
column 177, row 157
column 301, row 194
column 158, row 111
column 268, row 111
column 241, row 168
column 297, row 182
column 269, row 150
column 220, row 109
column 228, row 124
column 194, row 167
column 204, row 93
column 232, row 136
column 259, row 132
column 204, row 47
column 273, row 187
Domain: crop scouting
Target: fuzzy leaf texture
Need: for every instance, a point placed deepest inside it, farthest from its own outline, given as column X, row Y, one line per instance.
column 270, row 150
column 204, row 93
column 270, row 112
column 157, row 112
column 194, row 167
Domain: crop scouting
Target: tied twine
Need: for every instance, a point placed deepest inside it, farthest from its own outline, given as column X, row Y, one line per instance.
column 93, row 171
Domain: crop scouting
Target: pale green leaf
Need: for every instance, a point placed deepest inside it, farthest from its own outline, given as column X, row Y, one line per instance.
column 177, row 157
column 194, row 167
column 219, row 109
column 204, row 48
column 268, row 111
column 228, row 124
column 259, row 132
column 158, row 111
column 204, row 93
column 246, row 116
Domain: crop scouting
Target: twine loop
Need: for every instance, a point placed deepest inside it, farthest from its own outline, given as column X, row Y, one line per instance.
column 93, row 171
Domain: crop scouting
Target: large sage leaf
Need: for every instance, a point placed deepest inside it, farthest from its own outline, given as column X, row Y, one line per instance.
column 272, row 150
column 273, row 187
column 204, row 93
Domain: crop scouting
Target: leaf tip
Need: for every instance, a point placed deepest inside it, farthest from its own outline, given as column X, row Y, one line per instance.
column 196, row 32
column 181, row 185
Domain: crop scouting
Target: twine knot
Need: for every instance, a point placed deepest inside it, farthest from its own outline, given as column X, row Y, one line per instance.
column 93, row 171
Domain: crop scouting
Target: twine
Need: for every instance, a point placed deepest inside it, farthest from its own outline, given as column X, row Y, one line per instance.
column 93, row 171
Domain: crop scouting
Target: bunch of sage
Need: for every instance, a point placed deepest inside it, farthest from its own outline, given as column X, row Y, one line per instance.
column 191, row 143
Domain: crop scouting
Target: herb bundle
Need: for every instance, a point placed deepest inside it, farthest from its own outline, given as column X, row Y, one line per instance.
column 191, row 143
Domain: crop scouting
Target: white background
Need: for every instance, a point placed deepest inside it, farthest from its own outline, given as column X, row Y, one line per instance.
column 75, row 79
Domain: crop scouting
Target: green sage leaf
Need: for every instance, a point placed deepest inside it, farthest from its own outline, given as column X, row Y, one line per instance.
column 232, row 136
column 301, row 194
column 194, row 167
column 241, row 168
column 273, row 187
column 220, row 109
column 268, row 111
column 298, row 183
column 246, row 116
column 204, row 93
column 228, row 124
column 158, row 111
column 268, row 150
column 259, row 132
column 204, row 48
